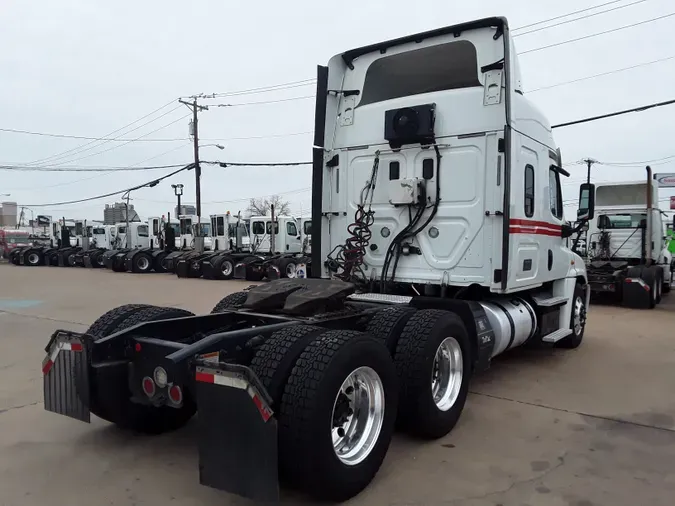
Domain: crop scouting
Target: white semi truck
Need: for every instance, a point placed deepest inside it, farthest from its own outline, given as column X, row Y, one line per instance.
column 627, row 248
column 438, row 243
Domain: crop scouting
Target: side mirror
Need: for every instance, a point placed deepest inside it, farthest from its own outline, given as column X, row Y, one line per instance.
column 586, row 202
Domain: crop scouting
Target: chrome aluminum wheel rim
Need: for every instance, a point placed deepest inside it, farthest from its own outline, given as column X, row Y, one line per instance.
column 143, row 263
column 447, row 373
column 227, row 268
column 358, row 414
column 291, row 270
column 33, row 258
column 579, row 315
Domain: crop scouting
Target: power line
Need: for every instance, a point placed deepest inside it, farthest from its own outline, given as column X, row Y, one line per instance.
column 612, row 114
column 265, row 101
column 566, row 15
column 66, row 136
column 149, row 184
column 656, row 161
column 597, row 34
column 258, row 164
column 260, row 136
column 603, row 74
column 35, row 168
column 261, row 89
column 581, row 18
column 124, row 143
column 78, row 149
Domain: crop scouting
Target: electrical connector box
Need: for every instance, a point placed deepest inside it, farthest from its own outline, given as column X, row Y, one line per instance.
column 404, row 191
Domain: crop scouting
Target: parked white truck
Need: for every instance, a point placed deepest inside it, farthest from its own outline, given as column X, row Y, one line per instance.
column 627, row 249
column 438, row 244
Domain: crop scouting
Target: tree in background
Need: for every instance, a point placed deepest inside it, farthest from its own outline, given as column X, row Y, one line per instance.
column 262, row 206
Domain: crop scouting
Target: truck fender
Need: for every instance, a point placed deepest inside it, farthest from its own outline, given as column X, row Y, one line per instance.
column 565, row 288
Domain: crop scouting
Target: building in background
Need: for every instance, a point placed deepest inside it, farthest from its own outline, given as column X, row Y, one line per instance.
column 186, row 209
column 116, row 213
column 8, row 214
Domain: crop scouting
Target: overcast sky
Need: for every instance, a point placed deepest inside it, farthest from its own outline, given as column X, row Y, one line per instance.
column 89, row 68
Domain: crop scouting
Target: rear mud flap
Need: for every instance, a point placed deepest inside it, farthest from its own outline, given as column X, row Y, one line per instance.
column 240, row 271
column 237, row 432
column 66, row 376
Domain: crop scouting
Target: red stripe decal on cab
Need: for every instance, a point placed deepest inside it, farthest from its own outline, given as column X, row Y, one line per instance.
column 534, row 223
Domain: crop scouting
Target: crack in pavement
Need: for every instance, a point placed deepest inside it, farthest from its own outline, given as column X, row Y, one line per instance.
column 19, row 407
column 563, row 410
column 561, row 462
column 36, row 317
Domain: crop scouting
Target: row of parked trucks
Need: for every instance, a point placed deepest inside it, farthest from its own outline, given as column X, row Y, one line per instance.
column 233, row 247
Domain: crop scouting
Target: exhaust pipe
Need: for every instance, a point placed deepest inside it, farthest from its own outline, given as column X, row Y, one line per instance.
column 648, row 234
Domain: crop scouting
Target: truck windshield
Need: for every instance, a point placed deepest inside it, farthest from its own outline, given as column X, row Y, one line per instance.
column 441, row 67
column 620, row 220
column 204, row 231
column 99, row 231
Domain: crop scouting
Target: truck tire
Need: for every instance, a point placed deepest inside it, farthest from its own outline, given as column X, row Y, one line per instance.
column 141, row 263
column 129, row 415
column 577, row 320
column 388, row 324
column 275, row 359
column 287, row 268
column 233, row 300
column 71, row 260
column 108, row 322
column 33, row 258
column 225, row 267
column 346, row 378
column 433, row 361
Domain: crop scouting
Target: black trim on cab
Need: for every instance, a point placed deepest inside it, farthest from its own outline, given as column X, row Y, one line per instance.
column 317, row 168
column 507, row 157
column 351, row 55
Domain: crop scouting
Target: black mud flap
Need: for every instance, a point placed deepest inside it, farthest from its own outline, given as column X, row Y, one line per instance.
column 66, row 376
column 240, row 271
column 237, row 432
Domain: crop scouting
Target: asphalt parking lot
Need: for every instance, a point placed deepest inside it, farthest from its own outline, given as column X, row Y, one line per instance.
column 588, row 427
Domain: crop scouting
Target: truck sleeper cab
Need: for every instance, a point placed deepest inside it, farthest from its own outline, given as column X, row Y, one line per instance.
column 437, row 244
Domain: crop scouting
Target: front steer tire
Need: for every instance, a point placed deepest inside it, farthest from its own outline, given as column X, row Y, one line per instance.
column 115, row 405
column 415, row 356
column 574, row 339
column 307, row 457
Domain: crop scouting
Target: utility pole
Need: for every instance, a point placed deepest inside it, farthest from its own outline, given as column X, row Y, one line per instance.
column 589, row 162
column 195, row 108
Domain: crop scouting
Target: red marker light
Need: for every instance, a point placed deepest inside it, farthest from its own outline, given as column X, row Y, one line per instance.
column 138, row 347
column 176, row 394
column 148, row 386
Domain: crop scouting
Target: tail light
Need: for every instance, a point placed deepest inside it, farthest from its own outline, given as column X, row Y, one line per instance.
column 176, row 394
column 148, row 386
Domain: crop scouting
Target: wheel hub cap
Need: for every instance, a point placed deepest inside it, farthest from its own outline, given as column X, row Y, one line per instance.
column 291, row 270
column 227, row 268
column 447, row 373
column 143, row 263
column 358, row 414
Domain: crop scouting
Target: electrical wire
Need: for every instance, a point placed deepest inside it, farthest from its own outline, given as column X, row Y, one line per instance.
column 612, row 114
column 150, row 183
column 615, row 71
column 272, row 136
column 597, row 34
column 87, row 169
column 566, row 15
column 261, row 89
column 637, row 164
column 258, row 164
column 125, row 143
column 66, row 136
column 581, row 18
column 265, row 101
column 78, row 149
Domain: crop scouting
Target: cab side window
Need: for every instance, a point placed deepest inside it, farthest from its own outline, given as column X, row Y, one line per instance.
column 555, row 193
column 529, row 191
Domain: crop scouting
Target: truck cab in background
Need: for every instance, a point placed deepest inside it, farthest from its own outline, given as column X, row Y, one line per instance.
column 627, row 249
column 285, row 234
column 306, row 233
